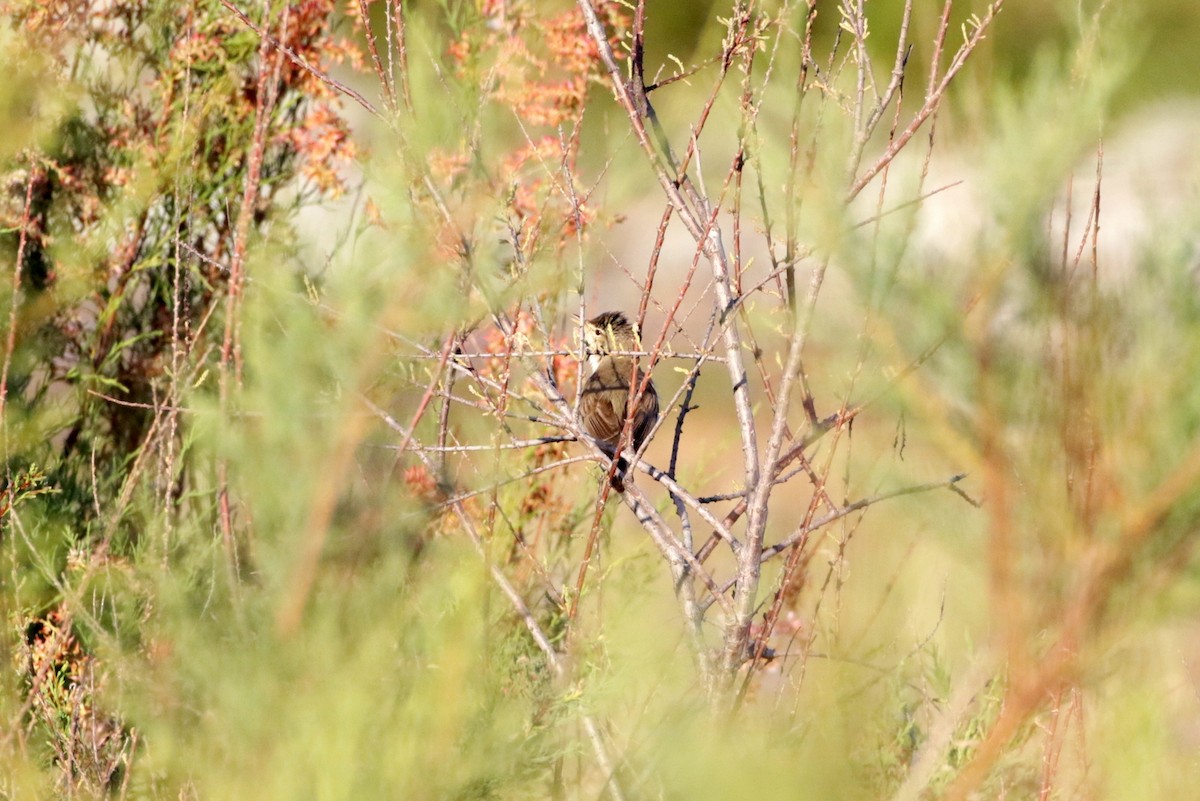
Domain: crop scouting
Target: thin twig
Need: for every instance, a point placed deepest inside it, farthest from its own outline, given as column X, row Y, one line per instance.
column 10, row 340
column 932, row 101
column 300, row 61
column 555, row 660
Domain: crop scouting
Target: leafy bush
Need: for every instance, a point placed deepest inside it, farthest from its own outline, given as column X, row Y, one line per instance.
column 296, row 502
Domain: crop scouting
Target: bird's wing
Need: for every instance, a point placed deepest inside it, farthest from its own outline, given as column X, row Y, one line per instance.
column 602, row 410
column 647, row 415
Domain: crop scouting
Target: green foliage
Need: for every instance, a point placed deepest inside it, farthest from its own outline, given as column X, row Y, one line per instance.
column 392, row 672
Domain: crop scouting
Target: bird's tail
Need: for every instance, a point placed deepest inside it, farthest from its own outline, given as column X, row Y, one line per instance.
column 618, row 477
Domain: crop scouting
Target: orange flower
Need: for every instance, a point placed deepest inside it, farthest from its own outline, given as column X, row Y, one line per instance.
column 421, row 483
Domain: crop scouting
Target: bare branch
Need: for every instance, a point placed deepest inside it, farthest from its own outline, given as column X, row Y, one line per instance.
column 932, row 102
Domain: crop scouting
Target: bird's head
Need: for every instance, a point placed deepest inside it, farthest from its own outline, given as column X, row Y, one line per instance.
column 609, row 332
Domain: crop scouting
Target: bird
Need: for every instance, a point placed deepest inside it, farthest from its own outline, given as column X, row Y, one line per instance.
column 608, row 340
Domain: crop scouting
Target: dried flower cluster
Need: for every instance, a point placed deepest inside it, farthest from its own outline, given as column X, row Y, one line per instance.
column 536, row 70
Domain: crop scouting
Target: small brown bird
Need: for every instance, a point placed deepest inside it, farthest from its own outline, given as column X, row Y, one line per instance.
column 605, row 399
